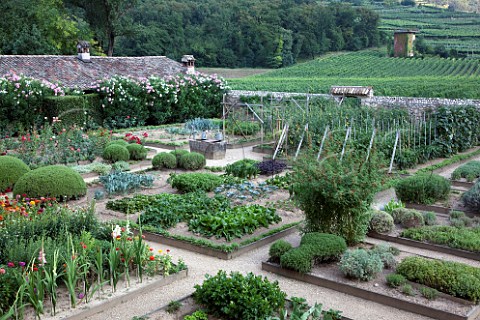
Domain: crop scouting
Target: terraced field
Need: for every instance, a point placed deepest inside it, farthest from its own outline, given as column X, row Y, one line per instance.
column 428, row 77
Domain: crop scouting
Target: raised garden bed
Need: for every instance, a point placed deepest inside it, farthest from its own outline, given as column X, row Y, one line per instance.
column 244, row 144
column 264, row 148
column 222, row 251
column 166, row 145
column 470, row 312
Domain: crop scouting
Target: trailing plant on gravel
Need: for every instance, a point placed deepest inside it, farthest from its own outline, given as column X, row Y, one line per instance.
column 423, row 188
column 381, row 222
column 236, row 296
column 191, row 182
column 121, row 166
column 244, row 169
column 12, row 169
column 164, row 160
column 115, row 152
column 453, row 278
column 122, row 182
column 51, row 181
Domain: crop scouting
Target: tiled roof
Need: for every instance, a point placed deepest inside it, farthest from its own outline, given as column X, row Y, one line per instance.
column 351, row 91
column 72, row 72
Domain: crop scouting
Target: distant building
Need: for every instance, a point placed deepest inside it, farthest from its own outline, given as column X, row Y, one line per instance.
column 82, row 70
column 403, row 43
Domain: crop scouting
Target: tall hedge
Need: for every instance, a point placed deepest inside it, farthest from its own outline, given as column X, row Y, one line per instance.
column 83, row 110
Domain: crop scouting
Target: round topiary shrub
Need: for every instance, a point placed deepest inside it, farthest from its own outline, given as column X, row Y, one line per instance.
column 51, row 181
column 423, row 188
column 278, row 249
column 11, row 170
column 137, row 151
column 412, row 219
column 122, row 143
column 115, row 152
column 192, row 161
column 360, row 264
column 178, row 154
column 381, row 222
column 164, row 160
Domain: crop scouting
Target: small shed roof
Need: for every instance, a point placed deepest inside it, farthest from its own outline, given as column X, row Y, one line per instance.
column 351, row 91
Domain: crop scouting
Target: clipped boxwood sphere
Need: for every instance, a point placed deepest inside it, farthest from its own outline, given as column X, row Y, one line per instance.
column 11, row 170
column 118, row 142
column 192, row 161
column 115, row 152
column 51, row 181
column 164, row 160
column 137, row 151
column 381, row 222
column 178, row 154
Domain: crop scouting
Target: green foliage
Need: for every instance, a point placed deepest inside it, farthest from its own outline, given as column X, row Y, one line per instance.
column 247, row 128
column 395, row 280
column 122, row 182
column 407, row 289
column 278, row 249
column 192, row 161
column 115, row 152
column 471, row 198
column 360, row 264
column 96, row 167
column 453, row 237
column 299, row 309
column 234, row 222
column 429, row 293
column 78, row 110
column 51, row 181
column 430, row 218
column 164, row 160
column 423, row 188
column 191, row 182
column 381, row 222
column 199, row 125
column 453, row 278
column 12, row 169
column 239, row 297
column 412, row 219
column 119, row 142
column 178, row 153
column 121, row 166
column 197, row 315
column 137, row 151
column 283, row 182
column 314, row 248
column 341, row 207
column 469, row 171
column 392, row 205
column 245, row 169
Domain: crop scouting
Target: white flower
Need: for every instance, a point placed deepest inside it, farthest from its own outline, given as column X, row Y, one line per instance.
column 116, row 232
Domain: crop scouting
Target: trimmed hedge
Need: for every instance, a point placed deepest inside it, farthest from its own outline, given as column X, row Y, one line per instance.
column 423, row 188
column 191, row 182
column 453, row 278
column 74, row 110
column 51, row 181
column 11, row 170
column 192, row 161
column 116, row 152
column 120, row 142
column 164, row 160
column 137, row 151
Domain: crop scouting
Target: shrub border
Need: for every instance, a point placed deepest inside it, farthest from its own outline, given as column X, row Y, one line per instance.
column 128, row 296
column 370, row 295
column 207, row 247
column 427, row 246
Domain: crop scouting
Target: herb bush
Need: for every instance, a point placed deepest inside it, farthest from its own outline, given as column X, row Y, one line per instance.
column 471, row 198
column 469, row 171
column 395, row 280
column 360, row 264
column 197, row 315
column 423, row 188
column 412, row 219
column 115, row 152
column 278, row 249
column 453, row 278
column 270, row 167
column 164, row 160
column 191, row 182
column 192, row 161
column 429, row 293
column 336, row 196
column 12, row 169
column 178, row 153
column 381, row 222
column 234, row 222
column 121, row 166
column 245, row 169
column 314, row 248
column 240, row 297
column 247, row 128
column 387, row 254
column 137, row 151
column 51, row 181
column 430, row 218
column 453, row 237
column 121, row 182
column 119, row 142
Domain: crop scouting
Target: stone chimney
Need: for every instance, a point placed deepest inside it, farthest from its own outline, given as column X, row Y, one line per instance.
column 83, row 51
column 188, row 61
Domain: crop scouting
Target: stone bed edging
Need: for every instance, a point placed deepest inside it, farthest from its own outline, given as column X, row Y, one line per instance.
column 113, row 302
column 427, row 246
column 181, row 244
column 371, row 296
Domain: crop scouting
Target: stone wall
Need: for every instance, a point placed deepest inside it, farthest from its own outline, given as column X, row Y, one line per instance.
column 415, row 106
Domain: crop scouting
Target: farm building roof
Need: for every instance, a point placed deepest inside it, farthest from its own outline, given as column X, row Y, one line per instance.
column 351, row 91
column 73, row 72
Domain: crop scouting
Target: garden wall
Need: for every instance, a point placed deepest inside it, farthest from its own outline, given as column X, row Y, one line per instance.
column 415, row 105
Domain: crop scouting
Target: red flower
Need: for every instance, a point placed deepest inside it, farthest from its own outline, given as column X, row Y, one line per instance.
column 152, row 258
column 145, row 134
column 11, row 264
column 35, row 269
column 168, row 250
